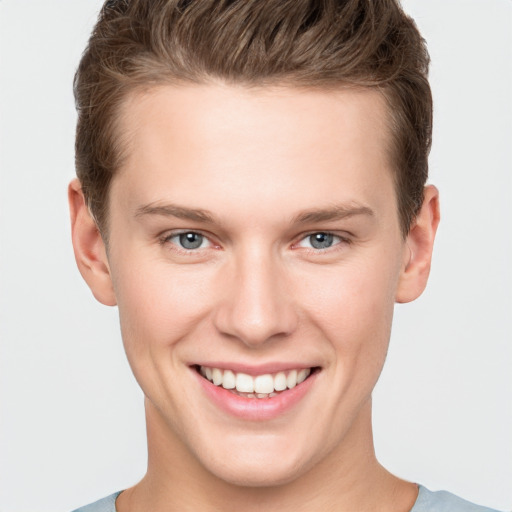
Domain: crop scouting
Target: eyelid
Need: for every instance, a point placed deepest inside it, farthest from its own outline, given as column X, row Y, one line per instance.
column 343, row 239
column 165, row 238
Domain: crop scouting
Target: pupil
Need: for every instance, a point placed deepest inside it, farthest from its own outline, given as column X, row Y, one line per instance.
column 191, row 240
column 321, row 240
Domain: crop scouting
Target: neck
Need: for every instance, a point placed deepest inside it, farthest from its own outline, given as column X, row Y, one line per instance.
column 348, row 479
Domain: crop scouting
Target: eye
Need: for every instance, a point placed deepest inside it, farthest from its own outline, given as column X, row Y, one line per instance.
column 320, row 240
column 189, row 240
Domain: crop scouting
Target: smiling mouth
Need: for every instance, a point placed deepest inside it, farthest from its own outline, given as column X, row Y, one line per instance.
column 264, row 386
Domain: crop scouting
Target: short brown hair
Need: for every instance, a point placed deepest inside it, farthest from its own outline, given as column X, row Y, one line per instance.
column 301, row 43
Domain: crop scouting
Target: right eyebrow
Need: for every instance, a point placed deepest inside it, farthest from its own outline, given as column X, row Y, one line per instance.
column 172, row 210
column 336, row 212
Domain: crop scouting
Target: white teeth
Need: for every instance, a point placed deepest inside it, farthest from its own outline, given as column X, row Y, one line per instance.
column 244, row 383
column 229, row 381
column 291, row 380
column 264, row 384
column 302, row 374
column 280, row 381
column 261, row 386
column 217, row 376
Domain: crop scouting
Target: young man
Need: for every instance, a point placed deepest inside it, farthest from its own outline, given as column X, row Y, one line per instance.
column 251, row 194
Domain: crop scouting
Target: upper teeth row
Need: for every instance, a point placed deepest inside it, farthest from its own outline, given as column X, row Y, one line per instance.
column 244, row 383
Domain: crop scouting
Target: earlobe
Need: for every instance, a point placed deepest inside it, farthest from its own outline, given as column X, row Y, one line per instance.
column 418, row 248
column 89, row 249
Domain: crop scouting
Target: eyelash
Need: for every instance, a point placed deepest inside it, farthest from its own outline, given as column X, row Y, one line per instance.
column 342, row 241
column 166, row 240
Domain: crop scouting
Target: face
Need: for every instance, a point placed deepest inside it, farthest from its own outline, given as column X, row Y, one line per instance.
column 255, row 254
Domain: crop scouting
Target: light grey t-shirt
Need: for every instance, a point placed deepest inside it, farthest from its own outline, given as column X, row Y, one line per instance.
column 427, row 501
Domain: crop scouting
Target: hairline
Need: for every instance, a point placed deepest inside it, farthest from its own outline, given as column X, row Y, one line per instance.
column 138, row 89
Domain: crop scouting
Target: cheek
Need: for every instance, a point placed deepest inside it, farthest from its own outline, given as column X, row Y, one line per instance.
column 158, row 304
column 355, row 296
column 353, row 308
column 159, row 307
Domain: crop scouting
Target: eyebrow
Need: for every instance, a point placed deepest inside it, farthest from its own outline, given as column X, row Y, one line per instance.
column 336, row 212
column 170, row 210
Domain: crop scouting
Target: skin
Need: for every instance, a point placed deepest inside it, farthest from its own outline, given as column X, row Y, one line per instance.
column 260, row 162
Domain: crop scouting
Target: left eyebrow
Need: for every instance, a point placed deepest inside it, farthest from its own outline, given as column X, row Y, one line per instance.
column 336, row 212
column 171, row 210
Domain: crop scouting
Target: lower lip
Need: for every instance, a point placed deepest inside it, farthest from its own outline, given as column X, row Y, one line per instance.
column 255, row 409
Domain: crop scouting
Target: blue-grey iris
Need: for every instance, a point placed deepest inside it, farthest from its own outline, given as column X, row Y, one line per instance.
column 191, row 240
column 321, row 240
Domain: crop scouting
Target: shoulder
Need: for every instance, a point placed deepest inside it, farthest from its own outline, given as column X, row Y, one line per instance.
column 442, row 501
column 107, row 504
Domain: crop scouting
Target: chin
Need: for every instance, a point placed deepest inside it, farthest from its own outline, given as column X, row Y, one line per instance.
column 253, row 474
column 263, row 466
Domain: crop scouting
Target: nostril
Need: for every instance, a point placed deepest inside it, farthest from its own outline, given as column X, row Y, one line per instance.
column 256, row 308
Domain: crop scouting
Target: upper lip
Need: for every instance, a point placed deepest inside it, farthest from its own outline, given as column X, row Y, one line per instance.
column 254, row 370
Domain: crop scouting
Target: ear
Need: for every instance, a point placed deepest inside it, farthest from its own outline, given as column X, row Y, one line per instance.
column 418, row 248
column 90, row 252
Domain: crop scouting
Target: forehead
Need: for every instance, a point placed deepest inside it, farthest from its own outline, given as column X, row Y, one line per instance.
column 290, row 146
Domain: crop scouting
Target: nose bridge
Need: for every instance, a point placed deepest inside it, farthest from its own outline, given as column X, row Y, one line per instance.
column 257, row 306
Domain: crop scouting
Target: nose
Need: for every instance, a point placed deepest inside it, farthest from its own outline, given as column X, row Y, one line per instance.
column 257, row 305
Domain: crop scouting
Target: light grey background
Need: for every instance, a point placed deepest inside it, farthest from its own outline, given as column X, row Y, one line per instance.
column 71, row 419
